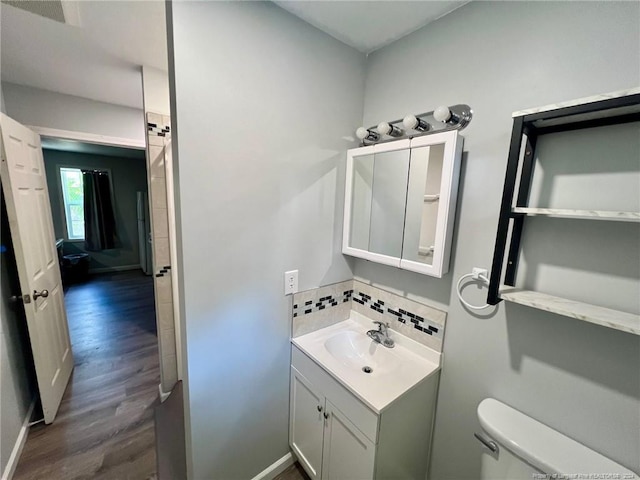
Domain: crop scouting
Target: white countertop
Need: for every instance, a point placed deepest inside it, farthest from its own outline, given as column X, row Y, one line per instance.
column 395, row 370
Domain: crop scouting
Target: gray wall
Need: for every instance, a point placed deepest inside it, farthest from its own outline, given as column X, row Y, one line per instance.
column 2, row 107
column 128, row 176
column 17, row 384
column 606, row 166
column 42, row 108
column 579, row 378
column 155, row 90
column 263, row 104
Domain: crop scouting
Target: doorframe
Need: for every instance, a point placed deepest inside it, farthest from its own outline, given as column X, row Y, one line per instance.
column 89, row 137
column 159, row 139
column 133, row 144
column 121, row 142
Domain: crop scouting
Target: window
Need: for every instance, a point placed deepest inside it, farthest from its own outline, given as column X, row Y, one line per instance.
column 73, row 196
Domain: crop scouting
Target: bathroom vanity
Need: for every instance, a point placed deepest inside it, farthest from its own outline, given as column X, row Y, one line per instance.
column 360, row 410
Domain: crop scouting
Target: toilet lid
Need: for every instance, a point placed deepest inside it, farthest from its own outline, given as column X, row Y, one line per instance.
column 544, row 448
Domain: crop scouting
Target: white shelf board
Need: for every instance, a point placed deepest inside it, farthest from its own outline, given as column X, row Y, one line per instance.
column 582, row 214
column 578, row 101
column 625, row 322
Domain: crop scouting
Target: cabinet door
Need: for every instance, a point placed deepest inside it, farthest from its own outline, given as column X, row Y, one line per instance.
column 306, row 425
column 347, row 453
column 431, row 202
column 375, row 197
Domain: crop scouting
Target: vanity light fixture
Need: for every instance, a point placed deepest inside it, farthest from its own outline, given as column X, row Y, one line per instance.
column 385, row 128
column 447, row 118
column 411, row 122
column 368, row 135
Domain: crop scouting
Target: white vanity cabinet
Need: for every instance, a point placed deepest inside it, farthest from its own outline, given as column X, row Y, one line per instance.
column 324, row 440
column 336, row 436
column 306, row 425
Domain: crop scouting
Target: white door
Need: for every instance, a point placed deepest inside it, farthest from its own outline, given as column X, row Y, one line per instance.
column 306, row 424
column 25, row 189
column 347, row 454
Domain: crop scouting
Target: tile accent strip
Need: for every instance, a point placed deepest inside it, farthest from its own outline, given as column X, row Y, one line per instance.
column 400, row 314
column 418, row 321
column 321, row 307
column 163, row 270
column 311, row 306
column 391, row 311
column 159, row 130
column 324, row 306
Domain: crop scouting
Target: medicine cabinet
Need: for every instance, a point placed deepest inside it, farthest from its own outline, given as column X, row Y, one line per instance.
column 400, row 201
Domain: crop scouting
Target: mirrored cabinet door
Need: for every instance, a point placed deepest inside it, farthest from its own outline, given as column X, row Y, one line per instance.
column 421, row 210
column 431, row 200
column 361, row 200
column 390, row 172
column 375, row 202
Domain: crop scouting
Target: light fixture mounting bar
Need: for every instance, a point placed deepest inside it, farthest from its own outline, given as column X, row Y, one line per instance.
column 461, row 113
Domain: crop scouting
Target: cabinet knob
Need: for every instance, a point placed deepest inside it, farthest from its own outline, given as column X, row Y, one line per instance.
column 326, row 415
column 319, row 408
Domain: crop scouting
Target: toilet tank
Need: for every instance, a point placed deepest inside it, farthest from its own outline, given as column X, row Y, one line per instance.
column 528, row 449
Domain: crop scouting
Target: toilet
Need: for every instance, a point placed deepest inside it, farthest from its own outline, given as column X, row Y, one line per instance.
column 527, row 449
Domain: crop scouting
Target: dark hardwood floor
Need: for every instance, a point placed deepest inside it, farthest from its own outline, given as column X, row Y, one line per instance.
column 104, row 428
column 294, row 472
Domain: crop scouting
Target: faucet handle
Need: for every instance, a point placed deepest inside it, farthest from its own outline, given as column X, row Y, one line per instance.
column 382, row 326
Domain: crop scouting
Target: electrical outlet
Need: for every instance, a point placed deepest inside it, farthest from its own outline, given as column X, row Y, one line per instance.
column 291, row 282
column 477, row 272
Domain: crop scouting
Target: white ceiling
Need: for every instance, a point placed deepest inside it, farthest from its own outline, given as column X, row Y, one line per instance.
column 99, row 59
column 369, row 25
column 97, row 54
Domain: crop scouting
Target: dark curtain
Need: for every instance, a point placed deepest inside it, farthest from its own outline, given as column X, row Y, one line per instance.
column 99, row 219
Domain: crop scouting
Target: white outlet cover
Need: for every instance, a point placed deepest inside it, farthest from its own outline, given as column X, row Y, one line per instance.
column 477, row 271
column 291, row 282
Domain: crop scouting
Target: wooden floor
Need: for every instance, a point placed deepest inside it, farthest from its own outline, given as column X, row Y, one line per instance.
column 294, row 472
column 104, row 428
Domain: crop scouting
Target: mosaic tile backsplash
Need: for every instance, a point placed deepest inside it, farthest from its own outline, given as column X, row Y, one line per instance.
column 321, row 307
column 324, row 306
column 399, row 314
column 321, row 303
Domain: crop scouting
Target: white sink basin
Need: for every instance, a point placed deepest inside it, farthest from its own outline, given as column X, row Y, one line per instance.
column 357, row 351
column 344, row 350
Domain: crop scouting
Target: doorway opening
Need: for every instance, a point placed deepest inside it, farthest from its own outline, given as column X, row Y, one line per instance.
column 104, row 426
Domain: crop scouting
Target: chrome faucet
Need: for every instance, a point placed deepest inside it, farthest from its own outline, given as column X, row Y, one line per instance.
column 381, row 335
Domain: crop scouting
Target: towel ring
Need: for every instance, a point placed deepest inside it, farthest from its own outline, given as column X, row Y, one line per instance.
column 480, row 277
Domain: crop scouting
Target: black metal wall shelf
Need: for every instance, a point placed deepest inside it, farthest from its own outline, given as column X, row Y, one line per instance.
column 528, row 125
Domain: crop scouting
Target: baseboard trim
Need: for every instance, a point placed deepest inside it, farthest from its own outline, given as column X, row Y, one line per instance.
column 276, row 468
column 122, row 268
column 163, row 395
column 19, row 445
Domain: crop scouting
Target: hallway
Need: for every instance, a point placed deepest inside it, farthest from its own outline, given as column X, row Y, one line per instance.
column 104, row 428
